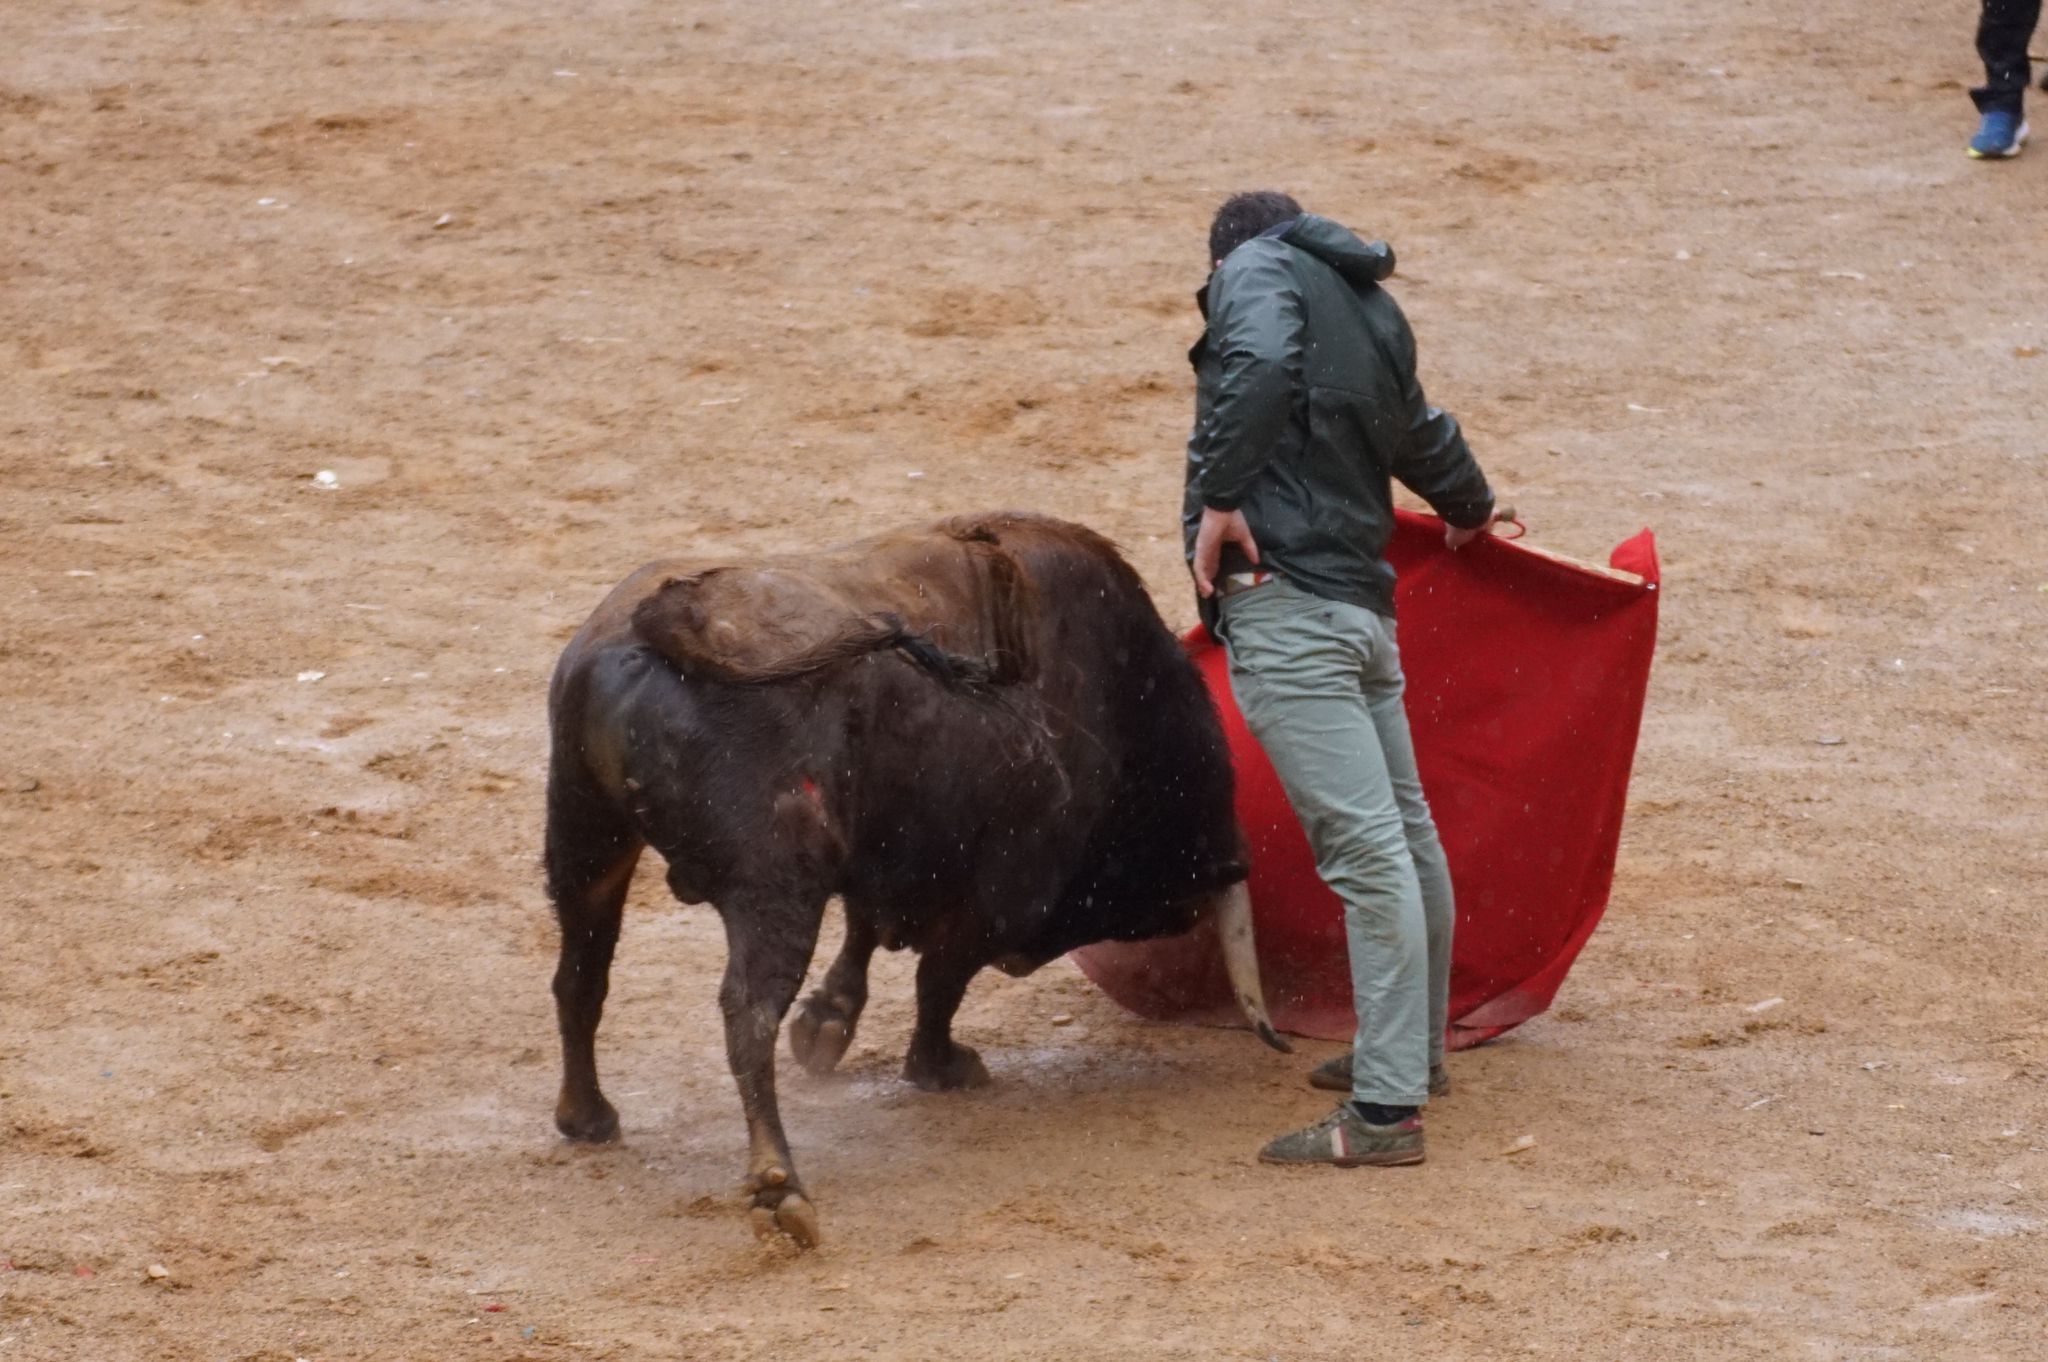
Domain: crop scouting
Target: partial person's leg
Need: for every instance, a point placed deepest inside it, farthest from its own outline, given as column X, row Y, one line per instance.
column 2003, row 29
column 1384, row 688
column 1296, row 664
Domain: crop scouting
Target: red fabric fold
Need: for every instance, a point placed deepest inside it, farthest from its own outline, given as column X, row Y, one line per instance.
column 1526, row 678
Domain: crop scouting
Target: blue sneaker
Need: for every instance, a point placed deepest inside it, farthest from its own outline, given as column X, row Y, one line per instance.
column 1999, row 136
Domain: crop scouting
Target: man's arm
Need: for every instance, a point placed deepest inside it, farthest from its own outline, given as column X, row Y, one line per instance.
column 1255, row 331
column 1435, row 463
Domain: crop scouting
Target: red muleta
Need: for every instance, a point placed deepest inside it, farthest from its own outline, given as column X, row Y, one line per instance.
column 1526, row 674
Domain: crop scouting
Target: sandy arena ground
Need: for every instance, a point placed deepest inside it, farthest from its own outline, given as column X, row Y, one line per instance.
column 553, row 289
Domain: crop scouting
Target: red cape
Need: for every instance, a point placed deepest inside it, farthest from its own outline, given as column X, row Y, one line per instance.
column 1526, row 676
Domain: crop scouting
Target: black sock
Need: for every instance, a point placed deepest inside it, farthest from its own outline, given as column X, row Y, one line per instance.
column 1377, row 1115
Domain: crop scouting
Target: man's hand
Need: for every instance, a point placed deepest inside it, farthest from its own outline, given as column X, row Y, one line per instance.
column 1455, row 538
column 1217, row 529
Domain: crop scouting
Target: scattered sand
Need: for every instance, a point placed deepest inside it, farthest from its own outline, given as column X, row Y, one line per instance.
column 550, row 290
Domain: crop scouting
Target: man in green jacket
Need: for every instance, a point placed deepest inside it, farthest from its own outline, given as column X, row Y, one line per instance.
column 1306, row 408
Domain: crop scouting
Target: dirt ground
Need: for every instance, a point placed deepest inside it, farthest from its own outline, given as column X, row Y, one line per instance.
column 554, row 289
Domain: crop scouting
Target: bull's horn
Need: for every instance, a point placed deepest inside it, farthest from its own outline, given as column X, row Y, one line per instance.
column 1241, row 959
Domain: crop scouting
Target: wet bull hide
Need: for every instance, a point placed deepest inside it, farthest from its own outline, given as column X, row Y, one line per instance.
column 978, row 734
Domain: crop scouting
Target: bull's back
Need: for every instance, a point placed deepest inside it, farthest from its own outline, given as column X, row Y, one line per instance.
column 1108, row 711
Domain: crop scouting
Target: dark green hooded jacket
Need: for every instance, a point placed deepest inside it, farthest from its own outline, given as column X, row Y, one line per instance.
column 1307, row 404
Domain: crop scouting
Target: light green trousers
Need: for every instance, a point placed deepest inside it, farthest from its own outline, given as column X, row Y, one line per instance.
column 1320, row 685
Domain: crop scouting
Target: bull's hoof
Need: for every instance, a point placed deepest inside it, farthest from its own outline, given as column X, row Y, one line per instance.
column 959, row 1068
column 785, row 1211
column 588, row 1123
column 819, row 1034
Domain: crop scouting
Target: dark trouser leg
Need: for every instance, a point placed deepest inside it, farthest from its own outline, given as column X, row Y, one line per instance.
column 2003, row 31
column 823, row 1026
column 590, row 859
column 768, row 947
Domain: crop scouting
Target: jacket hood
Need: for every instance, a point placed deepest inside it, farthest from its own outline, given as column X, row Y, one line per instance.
column 1360, row 262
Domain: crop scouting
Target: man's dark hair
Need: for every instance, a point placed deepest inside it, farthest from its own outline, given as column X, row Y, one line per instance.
column 1244, row 216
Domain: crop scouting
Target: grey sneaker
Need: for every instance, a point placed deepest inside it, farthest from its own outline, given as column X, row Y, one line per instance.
column 1348, row 1140
column 1334, row 1075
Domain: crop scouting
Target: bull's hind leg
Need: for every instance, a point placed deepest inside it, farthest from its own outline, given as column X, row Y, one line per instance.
column 769, row 940
column 591, row 852
column 824, row 1024
column 936, row 1062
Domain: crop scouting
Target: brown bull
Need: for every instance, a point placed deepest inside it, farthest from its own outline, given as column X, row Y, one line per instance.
column 978, row 734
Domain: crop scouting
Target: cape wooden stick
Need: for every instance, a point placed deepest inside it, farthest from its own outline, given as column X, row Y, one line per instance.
column 1506, row 515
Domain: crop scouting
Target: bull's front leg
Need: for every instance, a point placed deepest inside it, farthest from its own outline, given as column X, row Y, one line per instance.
column 768, row 949
column 823, row 1026
column 936, row 1062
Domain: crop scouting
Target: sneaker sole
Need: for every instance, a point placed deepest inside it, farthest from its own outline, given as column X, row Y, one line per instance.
column 1405, row 1159
column 1384, row 1161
